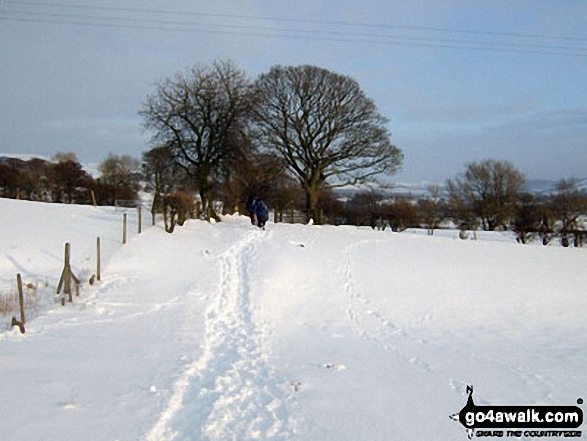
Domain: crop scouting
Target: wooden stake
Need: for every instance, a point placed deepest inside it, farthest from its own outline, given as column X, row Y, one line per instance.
column 98, row 258
column 20, row 298
column 66, row 277
column 140, row 218
column 65, row 268
column 124, row 228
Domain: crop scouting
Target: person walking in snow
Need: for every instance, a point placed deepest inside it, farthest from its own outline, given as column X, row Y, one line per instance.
column 250, row 207
column 261, row 212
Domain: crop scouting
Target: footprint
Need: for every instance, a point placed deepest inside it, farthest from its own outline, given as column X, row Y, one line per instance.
column 336, row 367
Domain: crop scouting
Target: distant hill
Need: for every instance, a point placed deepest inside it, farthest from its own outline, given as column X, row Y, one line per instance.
column 416, row 190
column 545, row 187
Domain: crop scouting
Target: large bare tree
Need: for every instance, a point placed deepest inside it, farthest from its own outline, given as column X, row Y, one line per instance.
column 200, row 114
column 324, row 128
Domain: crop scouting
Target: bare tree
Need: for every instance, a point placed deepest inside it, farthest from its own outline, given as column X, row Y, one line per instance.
column 67, row 176
column 261, row 175
column 567, row 205
column 432, row 208
column 11, row 179
column 488, row 189
column 201, row 116
column 324, row 127
column 528, row 217
column 38, row 179
column 120, row 177
column 364, row 208
column 160, row 173
column 176, row 208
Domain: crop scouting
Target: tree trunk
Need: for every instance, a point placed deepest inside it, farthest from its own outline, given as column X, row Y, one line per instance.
column 156, row 205
column 311, row 204
column 207, row 206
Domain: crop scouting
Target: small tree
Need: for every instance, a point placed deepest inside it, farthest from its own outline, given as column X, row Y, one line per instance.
column 67, row 177
column 567, row 205
column 263, row 175
column 10, row 179
column 402, row 214
column 489, row 190
column 161, row 175
column 432, row 209
column 120, row 176
column 528, row 217
column 176, row 208
column 37, row 178
column 364, row 208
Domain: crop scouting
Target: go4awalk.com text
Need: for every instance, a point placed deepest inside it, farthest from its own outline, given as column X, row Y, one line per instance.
column 531, row 421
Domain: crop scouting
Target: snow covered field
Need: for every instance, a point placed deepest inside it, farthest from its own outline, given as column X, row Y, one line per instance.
column 223, row 331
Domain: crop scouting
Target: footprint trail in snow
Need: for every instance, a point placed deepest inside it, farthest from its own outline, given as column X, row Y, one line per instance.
column 231, row 391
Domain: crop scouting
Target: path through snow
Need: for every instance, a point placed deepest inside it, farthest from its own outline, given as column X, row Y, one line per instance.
column 231, row 391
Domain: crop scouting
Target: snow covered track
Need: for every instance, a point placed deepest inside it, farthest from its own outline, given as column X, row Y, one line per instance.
column 231, row 391
column 225, row 332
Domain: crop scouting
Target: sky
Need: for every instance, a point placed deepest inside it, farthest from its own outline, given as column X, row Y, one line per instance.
column 459, row 81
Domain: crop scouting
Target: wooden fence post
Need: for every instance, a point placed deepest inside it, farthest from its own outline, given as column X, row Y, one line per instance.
column 124, row 228
column 20, row 298
column 15, row 322
column 66, row 277
column 98, row 258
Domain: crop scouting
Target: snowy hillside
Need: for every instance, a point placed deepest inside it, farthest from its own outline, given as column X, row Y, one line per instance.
column 226, row 332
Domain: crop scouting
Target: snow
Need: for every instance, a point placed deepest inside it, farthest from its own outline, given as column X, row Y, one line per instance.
column 224, row 331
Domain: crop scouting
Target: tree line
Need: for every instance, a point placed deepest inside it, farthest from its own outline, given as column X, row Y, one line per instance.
column 490, row 195
column 63, row 179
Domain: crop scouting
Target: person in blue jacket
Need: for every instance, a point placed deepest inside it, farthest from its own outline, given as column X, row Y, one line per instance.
column 260, row 212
